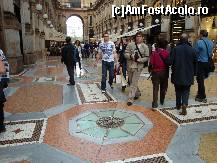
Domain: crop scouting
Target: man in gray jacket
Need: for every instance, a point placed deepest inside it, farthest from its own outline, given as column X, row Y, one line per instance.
column 137, row 55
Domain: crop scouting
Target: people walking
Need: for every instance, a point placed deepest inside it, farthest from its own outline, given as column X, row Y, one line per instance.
column 78, row 54
column 107, row 52
column 4, row 79
column 204, row 48
column 137, row 55
column 69, row 59
column 159, row 71
column 184, row 65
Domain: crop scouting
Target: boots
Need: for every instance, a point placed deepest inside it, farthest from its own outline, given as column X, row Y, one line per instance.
column 184, row 110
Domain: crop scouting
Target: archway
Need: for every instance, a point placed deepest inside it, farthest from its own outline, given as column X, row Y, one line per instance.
column 75, row 28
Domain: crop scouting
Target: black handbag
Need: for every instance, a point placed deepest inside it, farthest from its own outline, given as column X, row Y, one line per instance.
column 145, row 63
column 210, row 60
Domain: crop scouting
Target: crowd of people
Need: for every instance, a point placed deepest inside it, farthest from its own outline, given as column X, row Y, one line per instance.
column 130, row 56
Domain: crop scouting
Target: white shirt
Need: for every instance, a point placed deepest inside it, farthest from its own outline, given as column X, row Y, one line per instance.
column 107, row 49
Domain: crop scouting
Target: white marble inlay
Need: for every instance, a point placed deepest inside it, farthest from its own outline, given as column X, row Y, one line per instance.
column 46, row 79
column 18, row 131
column 195, row 114
column 92, row 93
column 149, row 158
column 23, row 132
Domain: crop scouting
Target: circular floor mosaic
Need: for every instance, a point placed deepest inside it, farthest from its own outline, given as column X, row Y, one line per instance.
column 110, row 126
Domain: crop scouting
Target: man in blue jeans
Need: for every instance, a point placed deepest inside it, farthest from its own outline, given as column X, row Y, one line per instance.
column 204, row 48
column 107, row 52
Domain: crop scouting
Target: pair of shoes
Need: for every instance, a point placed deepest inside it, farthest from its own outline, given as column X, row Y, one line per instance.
column 204, row 100
column 129, row 103
column 103, row 91
column 123, row 88
column 184, row 110
column 154, row 105
column 2, row 129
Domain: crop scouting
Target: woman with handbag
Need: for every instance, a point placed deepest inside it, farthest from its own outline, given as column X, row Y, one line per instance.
column 160, row 71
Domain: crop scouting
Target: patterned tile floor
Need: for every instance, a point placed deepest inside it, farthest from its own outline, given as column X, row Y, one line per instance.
column 49, row 121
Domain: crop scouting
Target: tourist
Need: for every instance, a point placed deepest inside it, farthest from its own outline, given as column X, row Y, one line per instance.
column 108, row 54
column 78, row 54
column 159, row 71
column 4, row 79
column 69, row 59
column 137, row 54
column 204, row 48
column 183, row 60
column 122, row 60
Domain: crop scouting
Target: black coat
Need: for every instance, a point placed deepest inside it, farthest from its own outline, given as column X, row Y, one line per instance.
column 183, row 60
column 69, row 55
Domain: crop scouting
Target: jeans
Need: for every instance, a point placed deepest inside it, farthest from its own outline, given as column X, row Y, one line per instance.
column 107, row 66
column 70, row 70
column 182, row 95
column 201, row 76
column 159, row 79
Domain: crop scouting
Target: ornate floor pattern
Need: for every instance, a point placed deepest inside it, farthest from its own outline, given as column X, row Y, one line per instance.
column 196, row 114
column 156, row 158
column 91, row 93
column 110, row 126
column 23, row 132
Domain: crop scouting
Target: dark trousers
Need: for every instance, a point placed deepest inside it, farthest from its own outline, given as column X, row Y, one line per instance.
column 159, row 79
column 124, row 69
column 107, row 66
column 70, row 69
column 1, row 115
column 182, row 95
column 202, row 74
column 79, row 63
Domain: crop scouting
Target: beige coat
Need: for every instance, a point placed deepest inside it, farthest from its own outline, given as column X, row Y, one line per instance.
column 129, row 55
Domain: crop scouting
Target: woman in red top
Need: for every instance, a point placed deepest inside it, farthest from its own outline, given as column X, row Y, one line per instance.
column 159, row 70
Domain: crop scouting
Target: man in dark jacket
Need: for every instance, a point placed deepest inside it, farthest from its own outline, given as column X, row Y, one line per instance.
column 69, row 59
column 184, row 64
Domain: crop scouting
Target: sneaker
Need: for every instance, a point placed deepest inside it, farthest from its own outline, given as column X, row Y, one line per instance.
column 154, row 105
column 137, row 97
column 71, row 84
column 129, row 103
column 103, row 91
column 201, row 100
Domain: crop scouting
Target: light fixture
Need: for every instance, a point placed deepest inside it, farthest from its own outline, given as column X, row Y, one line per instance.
column 39, row 7
column 48, row 22
column 129, row 27
column 45, row 16
column 207, row 20
column 140, row 24
column 51, row 26
column 121, row 29
column 157, row 21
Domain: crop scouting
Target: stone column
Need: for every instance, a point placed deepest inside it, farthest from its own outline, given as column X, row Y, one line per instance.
column 12, row 37
column 165, row 27
column 27, row 33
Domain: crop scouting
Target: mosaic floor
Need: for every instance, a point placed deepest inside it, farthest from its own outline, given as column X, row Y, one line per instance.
column 48, row 121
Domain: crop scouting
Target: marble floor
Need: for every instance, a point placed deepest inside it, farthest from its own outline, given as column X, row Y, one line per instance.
column 48, row 121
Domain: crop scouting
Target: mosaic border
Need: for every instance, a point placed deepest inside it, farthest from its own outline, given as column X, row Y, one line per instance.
column 161, row 158
column 188, row 121
column 82, row 100
column 37, row 136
